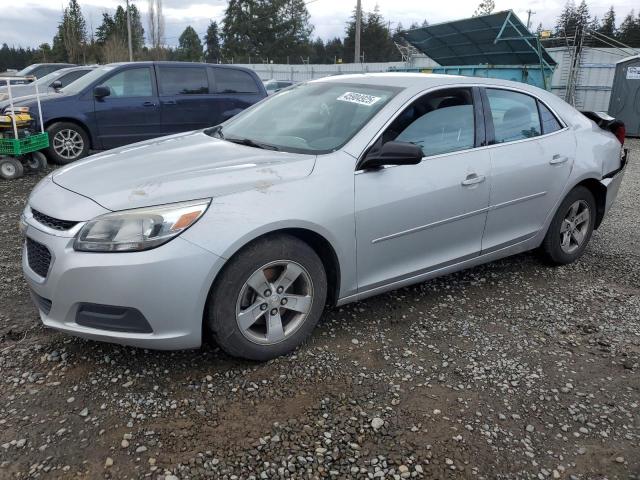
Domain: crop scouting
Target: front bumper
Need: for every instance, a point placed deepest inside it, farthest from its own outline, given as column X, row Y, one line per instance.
column 613, row 180
column 167, row 285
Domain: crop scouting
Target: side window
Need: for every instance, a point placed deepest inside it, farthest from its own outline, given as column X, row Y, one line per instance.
column 71, row 77
column 134, row 82
column 515, row 115
column 440, row 122
column 550, row 123
column 183, row 81
column 229, row 80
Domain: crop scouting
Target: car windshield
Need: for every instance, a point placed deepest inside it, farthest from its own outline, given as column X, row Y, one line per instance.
column 86, row 80
column 26, row 71
column 317, row 117
column 49, row 78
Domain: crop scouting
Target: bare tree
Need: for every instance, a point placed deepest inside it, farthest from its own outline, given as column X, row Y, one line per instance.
column 156, row 28
column 115, row 49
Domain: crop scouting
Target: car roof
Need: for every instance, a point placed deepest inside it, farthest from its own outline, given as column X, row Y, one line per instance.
column 422, row 80
column 176, row 63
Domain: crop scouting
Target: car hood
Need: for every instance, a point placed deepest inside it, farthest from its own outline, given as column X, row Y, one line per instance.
column 31, row 99
column 177, row 168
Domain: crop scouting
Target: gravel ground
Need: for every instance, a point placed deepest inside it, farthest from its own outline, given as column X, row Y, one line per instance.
column 509, row 370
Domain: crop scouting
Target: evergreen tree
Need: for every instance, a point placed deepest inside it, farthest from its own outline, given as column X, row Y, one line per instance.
column 630, row 30
column 375, row 39
column 334, row 50
column 608, row 25
column 318, row 52
column 266, row 29
column 73, row 32
column 212, row 43
column 190, row 46
column 105, row 29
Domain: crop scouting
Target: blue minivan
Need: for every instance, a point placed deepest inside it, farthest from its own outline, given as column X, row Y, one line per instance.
column 123, row 103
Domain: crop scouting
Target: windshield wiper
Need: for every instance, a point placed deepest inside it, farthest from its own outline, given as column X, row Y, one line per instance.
column 251, row 143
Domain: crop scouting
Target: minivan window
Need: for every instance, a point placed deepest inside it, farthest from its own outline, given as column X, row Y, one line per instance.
column 439, row 122
column 550, row 123
column 134, row 82
column 230, row 80
column 515, row 115
column 183, row 80
column 316, row 117
column 91, row 77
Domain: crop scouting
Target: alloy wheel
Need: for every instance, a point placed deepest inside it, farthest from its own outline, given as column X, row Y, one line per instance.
column 274, row 302
column 68, row 143
column 575, row 226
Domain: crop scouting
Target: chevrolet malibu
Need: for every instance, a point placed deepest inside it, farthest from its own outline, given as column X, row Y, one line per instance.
column 328, row 193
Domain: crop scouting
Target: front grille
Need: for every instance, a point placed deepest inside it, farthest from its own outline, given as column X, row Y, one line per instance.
column 38, row 257
column 43, row 304
column 51, row 222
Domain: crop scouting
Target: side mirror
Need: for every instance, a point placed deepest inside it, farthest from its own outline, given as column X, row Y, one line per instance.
column 393, row 153
column 101, row 91
column 57, row 85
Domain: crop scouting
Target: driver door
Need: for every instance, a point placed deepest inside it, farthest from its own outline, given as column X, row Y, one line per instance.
column 413, row 219
column 131, row 113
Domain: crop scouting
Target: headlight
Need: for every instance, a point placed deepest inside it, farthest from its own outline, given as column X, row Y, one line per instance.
column 138, row 229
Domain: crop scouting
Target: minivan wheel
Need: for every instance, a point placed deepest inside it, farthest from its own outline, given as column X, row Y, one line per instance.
column 571, row 227
column 268, row 298
column 68, row 142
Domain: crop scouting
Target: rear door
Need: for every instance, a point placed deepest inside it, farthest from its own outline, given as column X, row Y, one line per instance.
column 186, row 99
column 531, row 158
column 235, row 90
column 131, row 112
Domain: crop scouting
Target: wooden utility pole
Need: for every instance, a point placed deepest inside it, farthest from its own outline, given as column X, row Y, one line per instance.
column 529, row 13
column 358, row 30
column 129, row 32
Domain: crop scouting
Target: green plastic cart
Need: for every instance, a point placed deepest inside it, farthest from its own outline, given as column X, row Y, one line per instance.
column 21, row 145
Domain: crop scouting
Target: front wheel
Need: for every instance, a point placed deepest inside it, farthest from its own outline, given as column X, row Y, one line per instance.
column 268, row 298
column 571, row 227
column 68, row 142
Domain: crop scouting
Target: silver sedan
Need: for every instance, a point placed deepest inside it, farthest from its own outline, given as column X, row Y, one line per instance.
column 328, row 193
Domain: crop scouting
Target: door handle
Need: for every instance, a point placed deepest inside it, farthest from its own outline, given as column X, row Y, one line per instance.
column 558, row 159
column 149, row 104
column 473, row 179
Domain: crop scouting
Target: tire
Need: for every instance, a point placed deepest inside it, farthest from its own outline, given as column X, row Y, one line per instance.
column 35, row 162
column 567, row 239
column 10, row 168
column 253, row 333
column 68, row 142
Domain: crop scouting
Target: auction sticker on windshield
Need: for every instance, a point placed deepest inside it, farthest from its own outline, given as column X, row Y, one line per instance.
column 359, row 98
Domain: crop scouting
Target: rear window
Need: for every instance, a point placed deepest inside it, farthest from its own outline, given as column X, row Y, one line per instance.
column 229, row 80
column 550, row 123
column 183, row 81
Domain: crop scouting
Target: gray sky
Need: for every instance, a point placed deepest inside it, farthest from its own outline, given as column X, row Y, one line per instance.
column 32, row 22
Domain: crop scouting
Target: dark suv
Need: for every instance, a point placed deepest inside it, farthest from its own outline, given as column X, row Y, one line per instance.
column 123, row 103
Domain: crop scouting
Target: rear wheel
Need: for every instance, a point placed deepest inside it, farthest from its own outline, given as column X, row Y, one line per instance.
column 571, row 227
column 10, row 168
column 268, row 298
column 68, row 142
